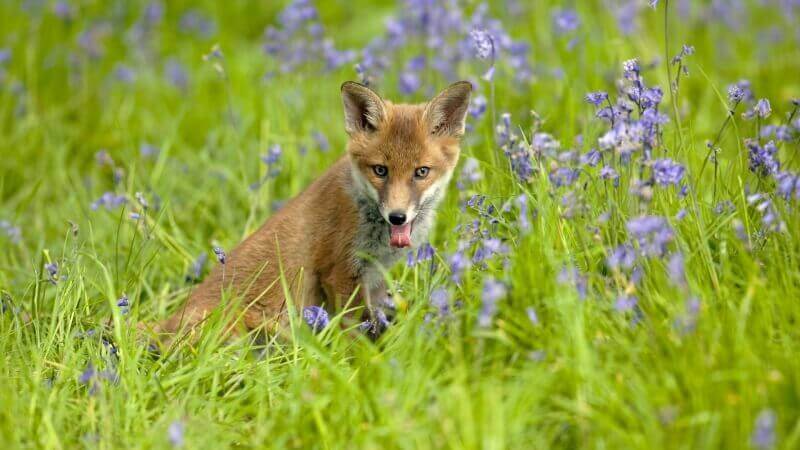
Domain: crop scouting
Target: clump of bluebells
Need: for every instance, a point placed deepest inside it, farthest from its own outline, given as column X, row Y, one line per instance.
column 447, row 34
column 299, row 39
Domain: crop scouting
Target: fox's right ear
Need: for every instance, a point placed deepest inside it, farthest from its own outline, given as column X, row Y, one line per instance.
column 363, row 109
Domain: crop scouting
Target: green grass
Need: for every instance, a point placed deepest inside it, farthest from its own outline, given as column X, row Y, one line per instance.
column 587, row 376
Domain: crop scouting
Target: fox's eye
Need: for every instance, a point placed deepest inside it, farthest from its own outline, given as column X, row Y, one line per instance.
column 421, row 172
column 380, row 170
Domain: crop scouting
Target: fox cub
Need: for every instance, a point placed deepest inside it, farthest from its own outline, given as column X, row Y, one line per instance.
column 363, row 213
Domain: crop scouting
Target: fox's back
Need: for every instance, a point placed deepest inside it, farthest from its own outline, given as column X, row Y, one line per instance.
column 312, row 233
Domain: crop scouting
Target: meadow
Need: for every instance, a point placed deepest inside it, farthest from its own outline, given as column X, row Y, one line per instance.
column 616, row 264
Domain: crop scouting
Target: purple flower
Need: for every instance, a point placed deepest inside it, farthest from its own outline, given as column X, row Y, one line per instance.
column 653, row 233
column 596, row 98
column 316, row 317
column 321, row 140
column 477, row 107
column 109, row 201
column 608, row 173
column 123, row 304
column 565, row 21
column 591, row 158
column 522, row 204
column 532, row 316
column 788, row 185
column 564, row 176
column 440, row 300
column 482, row 43
column 492, row 292
column 376, row 325
column 631, row 69
column 667, row 171
column 459, row 263
column 195, row 22
column 175, row 433
column 124, row 74
column 409, row 82
column 623, row 256
column 470, row 174
column 739, row 91
column 676, row 269
column 763, row 108
column 572, row 276
column 220, row 255
column 13, row 233
column 762, row 160
column 424, row 253
column 625, row 303
column 147, row 150
column 63, row 10
column 176, row 74
column 489, row 248
column 196, row 270
column 91, row 377
column 52, row 271
column 763, row 436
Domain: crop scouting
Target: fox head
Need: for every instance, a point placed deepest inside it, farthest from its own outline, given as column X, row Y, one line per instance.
column 403, row 156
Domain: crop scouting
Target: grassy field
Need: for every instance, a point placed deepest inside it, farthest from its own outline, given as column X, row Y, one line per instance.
column 624, row 275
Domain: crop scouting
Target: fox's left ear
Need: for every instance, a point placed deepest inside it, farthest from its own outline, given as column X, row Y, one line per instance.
column 447, row 112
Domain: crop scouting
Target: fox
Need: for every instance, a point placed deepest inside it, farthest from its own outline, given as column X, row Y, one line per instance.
column 364, row 213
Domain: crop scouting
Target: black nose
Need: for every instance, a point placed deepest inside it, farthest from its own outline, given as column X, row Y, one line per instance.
column 397, row 218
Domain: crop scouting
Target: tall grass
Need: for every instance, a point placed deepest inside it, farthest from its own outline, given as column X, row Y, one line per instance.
column 712, row 363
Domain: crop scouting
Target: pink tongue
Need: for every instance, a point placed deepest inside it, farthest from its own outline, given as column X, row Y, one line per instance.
column 400, row 235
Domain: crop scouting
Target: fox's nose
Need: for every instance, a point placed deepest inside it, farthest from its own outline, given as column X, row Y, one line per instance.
column 397, row 217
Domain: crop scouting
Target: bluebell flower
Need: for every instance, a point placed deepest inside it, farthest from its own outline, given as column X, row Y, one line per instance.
column 316, row 317
column 12, row 232
column 470, row 174
column 591, row 158
column 483, row 44
column 221, row 257
column 653, row 234
column 631, row 69
column 788, row 185
column 565, row 21
column 596, row 98
column 564, row 176
column 623, row 256
column 532, row 316
column 625, row 303
column 572, row 276
column 124, row 74
column 676, row 270
column 109, row 201
column 477, row 106
column 667, row 172
column 409, row 82
column 321, row 140
column 63, row 10
column 195, row 22
column 176, row 74
column 52, row 271
column 493, row 291
column 175, row 433
column 763, row 160
column 440, row 301
column 763, row 437
column 740, row 91
column 123, row 304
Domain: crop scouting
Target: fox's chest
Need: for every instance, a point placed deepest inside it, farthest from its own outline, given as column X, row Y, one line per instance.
column 372, row 253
